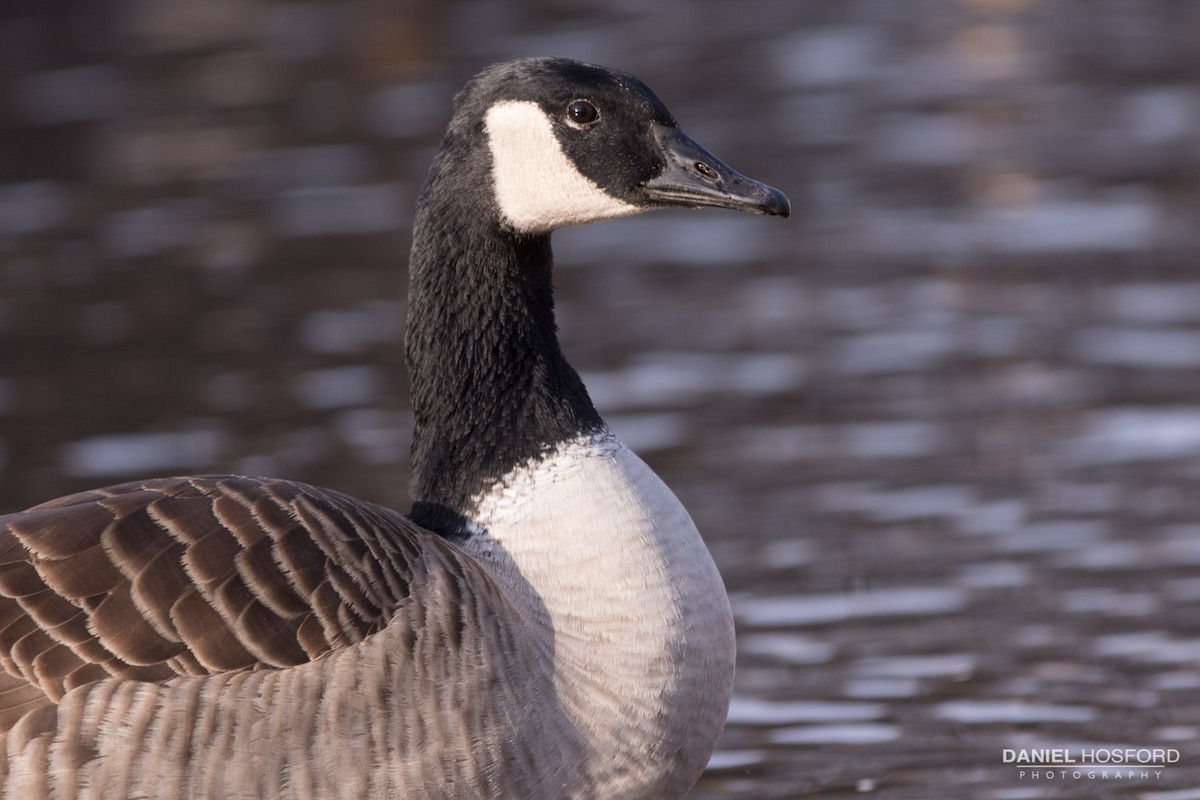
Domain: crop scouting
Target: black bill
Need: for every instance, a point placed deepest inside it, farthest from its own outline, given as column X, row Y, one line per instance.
column 694, row 177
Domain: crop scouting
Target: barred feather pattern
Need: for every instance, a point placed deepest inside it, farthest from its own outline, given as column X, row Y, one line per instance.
column 231, row 637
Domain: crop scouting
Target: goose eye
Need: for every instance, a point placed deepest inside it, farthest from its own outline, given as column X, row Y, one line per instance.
column 581, row 112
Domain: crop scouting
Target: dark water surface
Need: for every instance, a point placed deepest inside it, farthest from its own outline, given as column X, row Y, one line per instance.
column 940, row 428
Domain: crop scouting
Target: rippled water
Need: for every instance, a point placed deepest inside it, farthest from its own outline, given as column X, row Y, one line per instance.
column 940, row 429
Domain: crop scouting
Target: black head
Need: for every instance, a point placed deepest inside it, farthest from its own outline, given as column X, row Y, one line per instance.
column 571, row 143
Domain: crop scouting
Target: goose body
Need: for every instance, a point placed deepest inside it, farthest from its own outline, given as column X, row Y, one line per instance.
column 545, row 623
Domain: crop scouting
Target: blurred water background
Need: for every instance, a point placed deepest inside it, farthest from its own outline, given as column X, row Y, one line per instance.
column 940, row 428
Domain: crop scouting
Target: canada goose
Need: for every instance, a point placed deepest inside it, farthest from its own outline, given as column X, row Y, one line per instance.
column 546, row 623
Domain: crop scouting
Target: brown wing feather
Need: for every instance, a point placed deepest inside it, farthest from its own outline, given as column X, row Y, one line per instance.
column 189, row 576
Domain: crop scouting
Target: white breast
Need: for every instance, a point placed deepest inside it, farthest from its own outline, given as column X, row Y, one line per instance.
column 642, row 630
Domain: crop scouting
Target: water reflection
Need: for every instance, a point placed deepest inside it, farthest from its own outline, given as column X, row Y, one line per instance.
column 815, row 609
column 865, row 733
column 990, row 711
column 939, row 429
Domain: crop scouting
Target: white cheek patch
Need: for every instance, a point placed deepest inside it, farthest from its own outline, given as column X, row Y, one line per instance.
column 537, row 187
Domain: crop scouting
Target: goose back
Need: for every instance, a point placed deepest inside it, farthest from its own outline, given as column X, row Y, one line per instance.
column 190, row 576
column 205, row 637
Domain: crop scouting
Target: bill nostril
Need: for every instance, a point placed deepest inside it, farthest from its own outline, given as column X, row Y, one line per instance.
column 706, row 171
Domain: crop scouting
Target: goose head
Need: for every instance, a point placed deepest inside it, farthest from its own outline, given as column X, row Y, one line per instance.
column 533, row 145
column 569, row 143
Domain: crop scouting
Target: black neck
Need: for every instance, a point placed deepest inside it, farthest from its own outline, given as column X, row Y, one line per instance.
column 490, row 386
